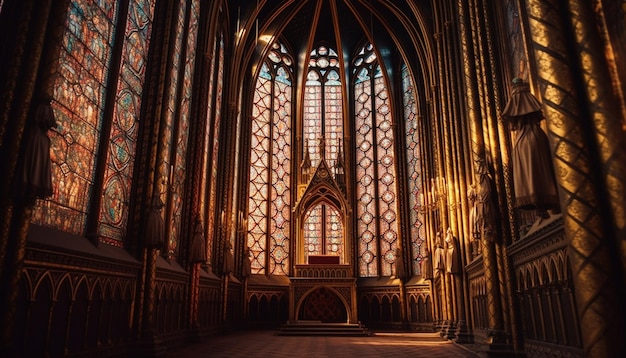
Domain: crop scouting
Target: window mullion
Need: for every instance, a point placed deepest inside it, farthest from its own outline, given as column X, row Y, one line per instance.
column 97, row 192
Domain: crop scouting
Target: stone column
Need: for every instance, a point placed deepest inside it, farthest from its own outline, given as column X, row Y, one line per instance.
column 589, row 163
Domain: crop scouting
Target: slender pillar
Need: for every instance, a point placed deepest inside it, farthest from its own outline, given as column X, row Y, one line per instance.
column 604, row 105
column 577, row 109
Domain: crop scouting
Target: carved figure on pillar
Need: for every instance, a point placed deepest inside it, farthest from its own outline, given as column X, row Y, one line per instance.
column 427, row 266
column 322, row 148
column 155, row 226
column 400, row 271
column 474, row 228
column 440, row 256
column 246, row 270
column 485, row 216
column 34, row 174
column 533, row 173
column 229, row 260
column 197, row 252
column 453, row 260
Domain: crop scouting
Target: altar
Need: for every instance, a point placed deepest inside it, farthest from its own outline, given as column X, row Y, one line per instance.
column 322, row 280
column 323, row 292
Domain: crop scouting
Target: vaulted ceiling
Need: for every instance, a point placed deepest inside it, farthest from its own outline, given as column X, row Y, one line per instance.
column 399, row 29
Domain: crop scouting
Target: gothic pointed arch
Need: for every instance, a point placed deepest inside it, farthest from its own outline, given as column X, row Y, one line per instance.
column 323, row 218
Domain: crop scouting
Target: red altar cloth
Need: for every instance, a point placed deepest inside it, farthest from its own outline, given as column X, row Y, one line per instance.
column 323, row 260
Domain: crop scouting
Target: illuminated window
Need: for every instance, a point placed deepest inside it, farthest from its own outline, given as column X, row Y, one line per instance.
column 79, row 98
column 269, row 204
column 414, row 169
column 177, row 117
column 209, row 190
column 377, row 205
column 323, row 232
column 79, row 94
column 123, row 137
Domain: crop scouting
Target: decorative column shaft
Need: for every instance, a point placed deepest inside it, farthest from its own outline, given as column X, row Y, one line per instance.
column 604, row 106
column 580, row 130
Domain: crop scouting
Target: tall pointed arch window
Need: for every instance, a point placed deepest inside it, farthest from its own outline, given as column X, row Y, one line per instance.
column 79, row 99
column 414, row 169
column 177, row 117
column 323, row 131
column 269, row 204
column 376, row 193
column 323, row 109
column 323, row 232
column 209, row 190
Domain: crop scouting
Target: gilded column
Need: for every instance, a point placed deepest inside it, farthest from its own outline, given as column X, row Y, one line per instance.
column 604, row 105
column 578, row 131
column 477, row 94
column 472, row 105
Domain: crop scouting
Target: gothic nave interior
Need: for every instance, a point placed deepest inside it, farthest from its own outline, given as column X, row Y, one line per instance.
column 172, row 170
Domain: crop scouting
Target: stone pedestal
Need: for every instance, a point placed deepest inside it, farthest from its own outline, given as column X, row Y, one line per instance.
column 462, row 334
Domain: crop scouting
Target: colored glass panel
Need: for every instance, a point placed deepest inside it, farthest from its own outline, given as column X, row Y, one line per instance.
column 516, row 40
column 178, row 143
column 333, row 119
column 312, row 233
column 386, row 172
column 323, row 105
column 259, row 173
column 121, row 156
column 377, row 205
column 214, row 123
column 312, row 116
column 365, row 177
column 414, row 169
column 78, row 95
column 333, row 234
column 269, row 204
column 183, row 137
column 280, row 207
column 207, row 191
column 323, row 232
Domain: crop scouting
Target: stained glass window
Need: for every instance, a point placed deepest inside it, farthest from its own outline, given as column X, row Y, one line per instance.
column 377, row 205
column 516, row 40
column 78, row 98
column 414, row 169
column 212, row 140
column 323, row 109
column 323, row 232
column 119, row 170
column 181, row 101
column 194, row 18
column 269, row 206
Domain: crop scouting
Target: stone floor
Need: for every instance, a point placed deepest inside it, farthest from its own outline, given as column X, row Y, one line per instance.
column 261, row 344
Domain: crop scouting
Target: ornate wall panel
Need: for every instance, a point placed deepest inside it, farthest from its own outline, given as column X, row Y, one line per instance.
column 545, row 293
column 71, row 304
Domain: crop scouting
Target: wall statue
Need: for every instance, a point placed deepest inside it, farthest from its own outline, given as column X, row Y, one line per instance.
column 229, row 259
column 34, row 174
column 453, row 258
column 427, row 266
column 484, row 217
column 155, row 226
column 247, row 263
column 197, row 252
column 439, row 262
column 533, row 173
